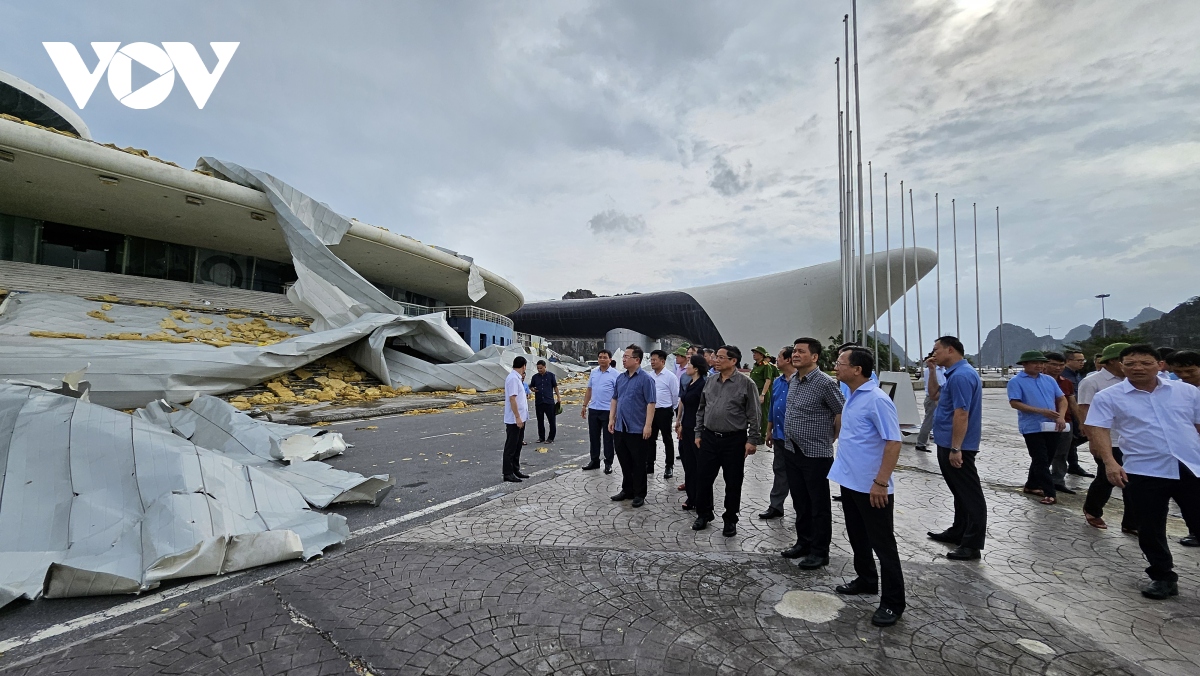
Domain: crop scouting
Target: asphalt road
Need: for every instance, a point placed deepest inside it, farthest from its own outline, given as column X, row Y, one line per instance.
column 435, row 457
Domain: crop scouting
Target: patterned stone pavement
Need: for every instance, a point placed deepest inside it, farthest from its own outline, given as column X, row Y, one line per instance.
column 556, row 578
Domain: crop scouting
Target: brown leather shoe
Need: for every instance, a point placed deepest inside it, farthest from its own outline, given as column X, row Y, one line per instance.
column 1095, row 521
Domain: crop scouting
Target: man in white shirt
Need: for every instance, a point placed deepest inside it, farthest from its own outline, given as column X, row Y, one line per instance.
column 1159, row 423
column 1100, row 491
column 516, row 412
column 935, row 377
column 666, row 400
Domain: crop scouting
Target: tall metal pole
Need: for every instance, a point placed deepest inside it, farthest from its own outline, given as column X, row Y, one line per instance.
column 874, row 281
column 912, row 216
column 1000, row 292
column 887, row 239
column 858, row 126
column 841, row 203
column 851, row 283
column 954, row 229
column 1103, row 315
column 904, row 272
column 978, row 320
column 937, row 229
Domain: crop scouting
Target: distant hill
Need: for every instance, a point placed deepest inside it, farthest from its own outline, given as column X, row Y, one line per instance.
column 1146, row 315
column 1078, row 334
column 896, row 347
column 1017, row 339
column 1178, row 328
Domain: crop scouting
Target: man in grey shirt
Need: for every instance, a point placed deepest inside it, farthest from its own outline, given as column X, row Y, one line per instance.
column 727, row 431
column 814, row 414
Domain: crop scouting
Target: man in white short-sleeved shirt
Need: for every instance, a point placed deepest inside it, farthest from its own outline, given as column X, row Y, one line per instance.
column 1100, row 491
column 1159, row 423
column 516, row 412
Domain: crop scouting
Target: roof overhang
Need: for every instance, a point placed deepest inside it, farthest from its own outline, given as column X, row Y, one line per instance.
column 57, row 178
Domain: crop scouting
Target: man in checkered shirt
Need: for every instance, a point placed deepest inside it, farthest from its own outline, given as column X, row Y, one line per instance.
column 814, row 413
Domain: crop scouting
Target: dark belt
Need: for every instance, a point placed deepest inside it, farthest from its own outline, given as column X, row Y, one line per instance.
column 722, row 435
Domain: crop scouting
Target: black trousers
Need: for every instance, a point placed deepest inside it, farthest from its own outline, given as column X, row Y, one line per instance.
column 726, row 454
column 1099, row 493
column 545, row 410
column 1150, row 496
column 631, row 454
column 869, row 529
column 970, row 507
column 663, row 419
column 597, row 429
column 1042, row 446
column 808, row 483
column 687, row 456
column 512, row 448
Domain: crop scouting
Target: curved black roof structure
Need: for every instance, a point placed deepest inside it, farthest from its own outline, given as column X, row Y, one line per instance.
column 22, row 100
column 663, row 313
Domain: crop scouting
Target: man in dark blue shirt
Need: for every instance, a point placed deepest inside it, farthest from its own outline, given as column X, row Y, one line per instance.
column 544, row 386
column 957, row 428
column 631, row 422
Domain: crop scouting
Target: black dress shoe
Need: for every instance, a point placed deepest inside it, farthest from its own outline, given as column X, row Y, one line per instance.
column 1063, row 489
column 700, row 523
column 608, row 469
column 1161, row 589
column 619, row 497
column 771, row 513
column 591, row 465
column 963, row 554
column 857, row 586
column 686, row 507
column 922, row 448
column 884, row 617
column 541, row 441
column 944, row 537
column 1079, row 471
column 813, row 562
column 669, row 473
column 729, row 530
column 521, row 475
column 638, row 502
column 794, row 552
column 1190, row 541
column 837, row 497
column 512, row 478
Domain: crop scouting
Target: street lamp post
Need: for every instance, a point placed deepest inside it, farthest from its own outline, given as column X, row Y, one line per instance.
column 1103, row 315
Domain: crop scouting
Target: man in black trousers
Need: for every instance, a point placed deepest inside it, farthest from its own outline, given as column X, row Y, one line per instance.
column 631, row 420
column 814, row 410
column 727, row 431
column 957, row 428
column 868, row 449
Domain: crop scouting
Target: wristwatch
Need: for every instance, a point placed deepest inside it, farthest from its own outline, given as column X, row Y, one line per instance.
column 955, row 450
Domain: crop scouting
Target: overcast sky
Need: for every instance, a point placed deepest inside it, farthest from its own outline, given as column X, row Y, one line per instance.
column 644, row 146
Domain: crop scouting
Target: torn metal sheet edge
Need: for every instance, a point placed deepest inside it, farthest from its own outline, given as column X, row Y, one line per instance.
column 95, row 501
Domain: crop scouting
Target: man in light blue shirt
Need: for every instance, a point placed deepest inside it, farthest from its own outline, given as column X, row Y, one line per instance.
column 596, row 402
column 868, row 449
column 957, row 429
column 1159, row 423
column 631, row 422
column 1041, row 419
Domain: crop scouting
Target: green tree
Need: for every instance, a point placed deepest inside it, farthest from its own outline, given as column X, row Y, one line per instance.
column 886, row 361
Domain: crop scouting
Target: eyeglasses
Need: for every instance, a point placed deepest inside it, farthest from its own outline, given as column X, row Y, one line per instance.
column 843, row 364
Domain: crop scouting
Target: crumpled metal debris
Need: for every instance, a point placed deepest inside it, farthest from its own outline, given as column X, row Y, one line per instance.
column 94, row 501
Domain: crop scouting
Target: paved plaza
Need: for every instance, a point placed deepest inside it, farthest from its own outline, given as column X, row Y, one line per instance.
column 556, row 578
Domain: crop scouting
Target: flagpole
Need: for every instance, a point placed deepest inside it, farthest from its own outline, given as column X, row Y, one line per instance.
column 978, row 320
column 912, row 217
column 1000, row 290
column 954, row 229
column 874, row 275
column 841, row 192
column 887, row 239
column 861, row 225
column 904, row 273
column 937, row 228
column 852, row 282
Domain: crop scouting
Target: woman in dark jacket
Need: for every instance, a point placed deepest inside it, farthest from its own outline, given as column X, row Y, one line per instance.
column 685, row 421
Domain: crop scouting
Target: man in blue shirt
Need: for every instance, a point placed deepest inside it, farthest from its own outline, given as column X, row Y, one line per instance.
column 631, row 422
column 596, row 401
column 1041, row 419
column 868, row 449
column 957, row 428
column 776, row 414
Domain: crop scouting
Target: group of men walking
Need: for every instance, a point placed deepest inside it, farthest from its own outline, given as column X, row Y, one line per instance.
column 722, row 415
